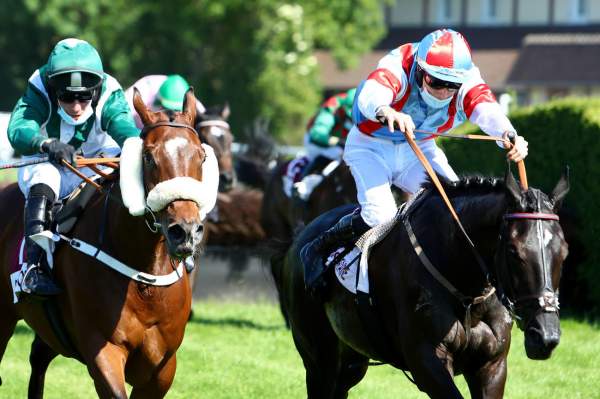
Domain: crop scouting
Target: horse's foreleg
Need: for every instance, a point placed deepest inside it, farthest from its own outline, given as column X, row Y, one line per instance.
column 39, row 358
column 106, row 365
column 159, row 384
column 353, row 368
column 432, row 374
column 7, row 327
column 488, row 382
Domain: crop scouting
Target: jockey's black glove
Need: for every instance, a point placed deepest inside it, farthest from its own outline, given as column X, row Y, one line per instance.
column 57, row 151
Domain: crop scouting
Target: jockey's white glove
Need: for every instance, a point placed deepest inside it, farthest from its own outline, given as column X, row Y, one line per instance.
column 389, row 116
column 519, row 150
column 333, row 140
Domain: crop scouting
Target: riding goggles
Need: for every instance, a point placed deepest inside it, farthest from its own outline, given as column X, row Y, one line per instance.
column 71, row 96
column 438, row 84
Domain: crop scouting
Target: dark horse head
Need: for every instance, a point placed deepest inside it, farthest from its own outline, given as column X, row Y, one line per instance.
column 179, row 176
column 215, row 131
column 530, row 254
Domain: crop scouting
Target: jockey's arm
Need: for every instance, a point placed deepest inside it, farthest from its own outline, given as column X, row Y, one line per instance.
column 117, row 119
column 23, row 132
column 381, row 89
column 482, row 109
column 321, row 128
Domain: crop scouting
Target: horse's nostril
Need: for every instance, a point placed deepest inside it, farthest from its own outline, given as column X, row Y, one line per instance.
column 200, row 228
column 176, row 233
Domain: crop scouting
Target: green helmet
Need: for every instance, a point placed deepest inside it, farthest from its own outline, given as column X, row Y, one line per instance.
column 172, row 91
column 74, row 65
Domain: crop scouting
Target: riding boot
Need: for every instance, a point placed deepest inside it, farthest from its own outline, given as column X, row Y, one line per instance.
column 348, row 228
column 37, row 279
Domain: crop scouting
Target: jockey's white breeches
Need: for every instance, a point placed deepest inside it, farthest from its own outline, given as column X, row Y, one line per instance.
column 312, row 150
column 377, row 163
column 60, row 179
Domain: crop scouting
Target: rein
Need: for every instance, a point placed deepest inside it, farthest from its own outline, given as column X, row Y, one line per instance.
column 509, row 142
column 467, row 302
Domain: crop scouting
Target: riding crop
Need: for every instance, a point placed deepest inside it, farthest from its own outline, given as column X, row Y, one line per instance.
column 80, row 162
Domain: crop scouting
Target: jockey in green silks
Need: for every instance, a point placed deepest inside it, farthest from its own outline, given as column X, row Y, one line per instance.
column 70, row 105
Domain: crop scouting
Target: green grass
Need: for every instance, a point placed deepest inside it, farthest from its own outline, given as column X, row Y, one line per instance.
column 8, row 176
column 234, row 350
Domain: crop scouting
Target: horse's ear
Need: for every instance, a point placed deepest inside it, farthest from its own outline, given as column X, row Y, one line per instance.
column 226, row 111
column 512, row 187
column 189, row 105
column 561, row 190
column 145, row 115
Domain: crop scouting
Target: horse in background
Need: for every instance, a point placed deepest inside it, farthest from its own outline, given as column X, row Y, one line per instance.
column 281, row 216
column 214, row 130
column 253, row 164
column 124, row 328
column 236, row 219
column 436, row 325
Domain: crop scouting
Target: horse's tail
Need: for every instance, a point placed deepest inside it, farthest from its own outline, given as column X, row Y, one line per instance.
column 279, row 250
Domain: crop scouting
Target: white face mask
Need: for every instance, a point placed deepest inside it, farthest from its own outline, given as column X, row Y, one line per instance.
column 431, row 101
column 89, row 111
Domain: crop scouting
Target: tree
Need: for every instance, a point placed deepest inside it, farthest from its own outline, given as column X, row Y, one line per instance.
column 257, row 55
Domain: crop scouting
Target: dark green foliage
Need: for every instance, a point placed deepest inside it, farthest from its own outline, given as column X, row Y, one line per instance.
column 560, row 133
column 257, row 55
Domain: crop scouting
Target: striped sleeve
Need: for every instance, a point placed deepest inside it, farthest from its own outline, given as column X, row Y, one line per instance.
column 385, row 84
column 480, row 106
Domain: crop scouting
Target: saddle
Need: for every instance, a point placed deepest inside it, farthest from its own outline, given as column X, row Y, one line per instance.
column 66, row 213
column 350, row 262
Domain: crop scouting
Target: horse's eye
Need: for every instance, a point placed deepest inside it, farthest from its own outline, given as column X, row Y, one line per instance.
column 148, row 158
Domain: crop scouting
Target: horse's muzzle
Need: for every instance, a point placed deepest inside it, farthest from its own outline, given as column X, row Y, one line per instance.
column 542, row 335
column 182, row 238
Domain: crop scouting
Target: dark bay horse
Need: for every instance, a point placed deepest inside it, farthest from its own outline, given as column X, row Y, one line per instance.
column 214, row 130
column 236, row 221
column 416, row 324
column 281, row 216
column 123, row 329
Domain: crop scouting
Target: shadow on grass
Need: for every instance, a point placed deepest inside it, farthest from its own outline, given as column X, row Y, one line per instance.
column 238, row 323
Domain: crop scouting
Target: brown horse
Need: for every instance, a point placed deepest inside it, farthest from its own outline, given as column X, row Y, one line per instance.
column 236, row 220
column 214, row 130
column 124, row 329
column 436, row 327
column 281, row 216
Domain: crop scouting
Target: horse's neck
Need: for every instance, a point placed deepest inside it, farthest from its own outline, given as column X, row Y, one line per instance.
column 480, row 216
column 128, row 239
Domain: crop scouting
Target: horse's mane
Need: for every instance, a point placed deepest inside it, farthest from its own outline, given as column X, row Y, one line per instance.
column 477, row 186
column 468, row 185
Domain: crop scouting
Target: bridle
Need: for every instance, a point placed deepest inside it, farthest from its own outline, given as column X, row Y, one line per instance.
column 224, row 126
column 547, row 299
column 147, row 128
column 153, row 224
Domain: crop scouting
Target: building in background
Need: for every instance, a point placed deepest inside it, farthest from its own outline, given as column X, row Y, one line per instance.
column 538, row 49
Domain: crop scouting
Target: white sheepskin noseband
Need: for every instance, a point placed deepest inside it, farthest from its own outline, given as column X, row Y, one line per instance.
column 204, row 192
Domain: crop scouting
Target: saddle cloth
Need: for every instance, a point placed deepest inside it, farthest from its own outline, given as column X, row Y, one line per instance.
column 352, row 264
column 292, row 174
